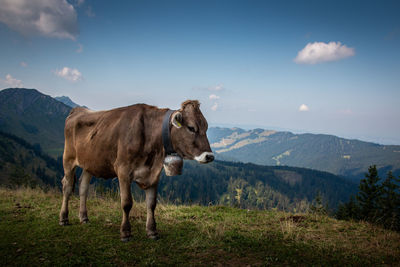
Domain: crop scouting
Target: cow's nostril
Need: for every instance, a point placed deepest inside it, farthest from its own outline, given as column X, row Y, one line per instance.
column 209, row 158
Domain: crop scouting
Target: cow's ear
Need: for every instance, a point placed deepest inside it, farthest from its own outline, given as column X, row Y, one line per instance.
column 176, row 119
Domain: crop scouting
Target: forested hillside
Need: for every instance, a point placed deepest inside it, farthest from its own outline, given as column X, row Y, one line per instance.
column 35, row 117
column 349, row 158
column 246, row 186
column 24, row 164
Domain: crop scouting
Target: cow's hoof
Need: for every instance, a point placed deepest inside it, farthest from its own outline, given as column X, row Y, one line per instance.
column 126, row 239
column 85, row 221
column 64, row 223
column 154, row 237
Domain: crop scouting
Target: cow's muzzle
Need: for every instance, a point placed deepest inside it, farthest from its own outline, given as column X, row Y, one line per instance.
column 205, row 157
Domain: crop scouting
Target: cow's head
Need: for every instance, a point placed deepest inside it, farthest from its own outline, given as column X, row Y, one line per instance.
column 188, row 133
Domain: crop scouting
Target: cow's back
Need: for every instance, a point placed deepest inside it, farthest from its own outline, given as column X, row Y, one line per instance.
column 92, row 138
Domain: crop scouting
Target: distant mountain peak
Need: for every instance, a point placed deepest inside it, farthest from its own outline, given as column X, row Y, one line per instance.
column 21, row 99
column 35, row 117
column 67, row 101
column 19, row 91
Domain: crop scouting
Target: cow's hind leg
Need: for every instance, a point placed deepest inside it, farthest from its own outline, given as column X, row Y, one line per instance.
column 83, row 194
column 68, row 183
column 126, row 205
column 151, row 202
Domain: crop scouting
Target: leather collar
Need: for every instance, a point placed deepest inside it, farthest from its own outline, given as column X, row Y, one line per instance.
column 166, row 133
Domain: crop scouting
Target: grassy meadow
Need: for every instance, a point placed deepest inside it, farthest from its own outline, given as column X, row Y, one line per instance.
column 189, row 236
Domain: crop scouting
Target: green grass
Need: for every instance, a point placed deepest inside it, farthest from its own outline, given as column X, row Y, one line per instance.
column 190, row 235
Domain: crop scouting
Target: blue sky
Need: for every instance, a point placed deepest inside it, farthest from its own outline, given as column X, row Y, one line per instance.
column 329, row 67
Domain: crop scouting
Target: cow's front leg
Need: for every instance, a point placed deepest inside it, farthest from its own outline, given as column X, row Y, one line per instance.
column 126, row 205
column 151, row 202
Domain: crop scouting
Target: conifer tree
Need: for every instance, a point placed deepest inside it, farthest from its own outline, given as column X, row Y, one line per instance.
column 369, row 194
column 317, row 206
column 349, row 210
column 390, row 202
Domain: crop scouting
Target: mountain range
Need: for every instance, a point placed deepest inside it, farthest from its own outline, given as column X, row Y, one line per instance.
column 39, row 119
column 350, row 158
column 35, row 117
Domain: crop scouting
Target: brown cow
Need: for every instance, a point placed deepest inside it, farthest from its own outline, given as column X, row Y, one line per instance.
column 130, row 143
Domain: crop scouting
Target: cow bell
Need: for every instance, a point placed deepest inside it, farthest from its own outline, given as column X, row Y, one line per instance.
column 173, row 165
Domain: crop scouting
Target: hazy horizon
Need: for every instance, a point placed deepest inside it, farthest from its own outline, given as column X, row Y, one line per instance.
column 318, row 67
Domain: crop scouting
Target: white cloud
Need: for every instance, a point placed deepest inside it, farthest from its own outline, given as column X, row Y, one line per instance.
column 24, row 64
column 319, row 52
column 218, row 87
column 304, row 107
column 214, row 107
column 11, row 81
column 213, row 97
column 80, row 48
column 69, row 74
column 50, row 18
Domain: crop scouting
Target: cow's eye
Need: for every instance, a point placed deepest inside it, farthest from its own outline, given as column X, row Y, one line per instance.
column 191, row 129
